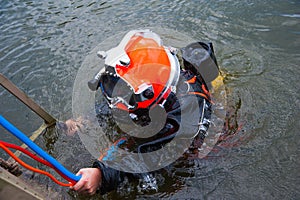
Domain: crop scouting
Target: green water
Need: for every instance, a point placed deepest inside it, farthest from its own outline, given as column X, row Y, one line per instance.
column 257, row 43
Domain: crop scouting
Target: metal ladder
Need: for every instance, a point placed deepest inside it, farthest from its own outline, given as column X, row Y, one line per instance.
column 9, row 182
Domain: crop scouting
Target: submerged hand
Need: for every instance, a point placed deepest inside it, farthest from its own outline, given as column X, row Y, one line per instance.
column 71, row 126
column 89, row 182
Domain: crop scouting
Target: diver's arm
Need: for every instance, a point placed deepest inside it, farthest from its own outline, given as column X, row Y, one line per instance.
column 98, row 177
column 111, row 178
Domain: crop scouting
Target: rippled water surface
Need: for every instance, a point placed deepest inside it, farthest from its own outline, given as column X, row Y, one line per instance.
column 257, row 43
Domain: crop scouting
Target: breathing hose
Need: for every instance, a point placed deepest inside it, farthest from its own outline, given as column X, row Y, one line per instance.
column 21, row 136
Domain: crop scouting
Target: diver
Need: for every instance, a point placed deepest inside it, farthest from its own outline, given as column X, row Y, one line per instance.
column 142, row 81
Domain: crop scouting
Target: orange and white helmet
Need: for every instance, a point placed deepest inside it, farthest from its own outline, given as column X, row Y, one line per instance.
column 139, row 73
